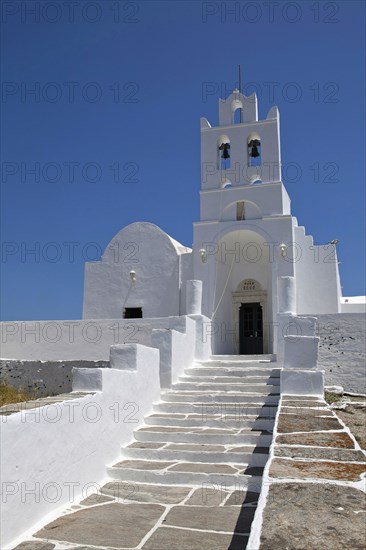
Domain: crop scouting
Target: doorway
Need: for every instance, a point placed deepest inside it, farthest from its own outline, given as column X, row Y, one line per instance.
column 251, row 329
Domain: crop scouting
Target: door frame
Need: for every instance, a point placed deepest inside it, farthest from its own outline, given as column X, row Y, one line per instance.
column 247, row 297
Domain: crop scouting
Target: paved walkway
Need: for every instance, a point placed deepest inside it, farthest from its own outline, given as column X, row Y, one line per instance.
column 192, row 477
column 316, row 497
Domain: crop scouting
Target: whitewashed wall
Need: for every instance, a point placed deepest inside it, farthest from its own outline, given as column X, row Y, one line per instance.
column 317, row 277
column 342, row 350
column 85, row 339
column 64, row 448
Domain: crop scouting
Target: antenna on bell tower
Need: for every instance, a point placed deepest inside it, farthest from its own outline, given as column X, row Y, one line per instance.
column 240, row 91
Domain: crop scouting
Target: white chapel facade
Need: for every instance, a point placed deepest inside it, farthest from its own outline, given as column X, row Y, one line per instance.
column 252, row 257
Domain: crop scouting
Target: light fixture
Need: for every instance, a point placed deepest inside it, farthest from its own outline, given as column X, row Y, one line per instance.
column 283, row 249
column 334, row 241
column 203, row 255
column 133, row 276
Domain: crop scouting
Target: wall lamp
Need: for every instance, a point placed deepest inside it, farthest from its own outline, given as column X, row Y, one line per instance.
column 283, row 249
column 203, row 255
column 133, row 276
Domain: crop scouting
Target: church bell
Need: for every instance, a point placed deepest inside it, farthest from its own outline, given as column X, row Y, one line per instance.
column 224, row 147
column 253, row 148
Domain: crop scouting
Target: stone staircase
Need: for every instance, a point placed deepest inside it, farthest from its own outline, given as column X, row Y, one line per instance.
column 212, row 427
column 192, row 476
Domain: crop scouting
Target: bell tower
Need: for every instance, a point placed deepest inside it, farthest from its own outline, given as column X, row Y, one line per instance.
column 245, row 215
column 241, row 150
column 241, row 163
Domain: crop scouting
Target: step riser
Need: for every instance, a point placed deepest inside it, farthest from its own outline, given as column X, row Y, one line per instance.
column 253, row 358
column 252, row 483
column 240, row 410
column 219, row 439
column 270, row 381
column 219, row 398
column 198, row 386
column 220, row 371
column 236, row 364
column 221, row 422
column 252, row 459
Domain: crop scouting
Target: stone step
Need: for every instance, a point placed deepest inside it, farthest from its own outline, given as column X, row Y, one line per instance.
column 198, row 371
column 186, row 473
column 249, row 365
column 217, row 382
column 207, row 409
column 227, row 387
column 217, row 454
column 210, row 421
column 210, row 397
column 259, row 358
column 221, row 436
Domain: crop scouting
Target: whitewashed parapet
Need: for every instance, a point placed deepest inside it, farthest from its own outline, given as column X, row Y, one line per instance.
column 194, row 297
column 299, row 375
column 83, row 339
column 177, row 351
column 203, row 337
column 301, row 352
column 297, row 352
column 302, row 382
column 54, row 454
column 289, row 325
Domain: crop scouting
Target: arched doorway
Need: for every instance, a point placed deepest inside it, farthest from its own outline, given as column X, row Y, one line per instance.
column 250, row 318
column 241, row 254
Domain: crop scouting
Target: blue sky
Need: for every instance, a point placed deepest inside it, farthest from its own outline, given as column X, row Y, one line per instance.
column 112, row 127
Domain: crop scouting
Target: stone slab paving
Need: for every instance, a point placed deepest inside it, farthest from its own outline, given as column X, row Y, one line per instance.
column 296, row 469
column 211, row 518
column 183, row 539
column 207, row 468
column 289, row 423
column 126, row 516
column 302, row 411
column 322, row 439
column 328, row 453
column 316, row 495
column 164, row 494
column 110, row 525
column 354, row 416
column 32, row 545
column 314, row 516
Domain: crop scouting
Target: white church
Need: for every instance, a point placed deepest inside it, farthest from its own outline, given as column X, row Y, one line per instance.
column 250, row 260
column 253, row 284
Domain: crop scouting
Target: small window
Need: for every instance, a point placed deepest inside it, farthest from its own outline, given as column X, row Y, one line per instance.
column 132, row 313
column 240, row 211
column 238, row 116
